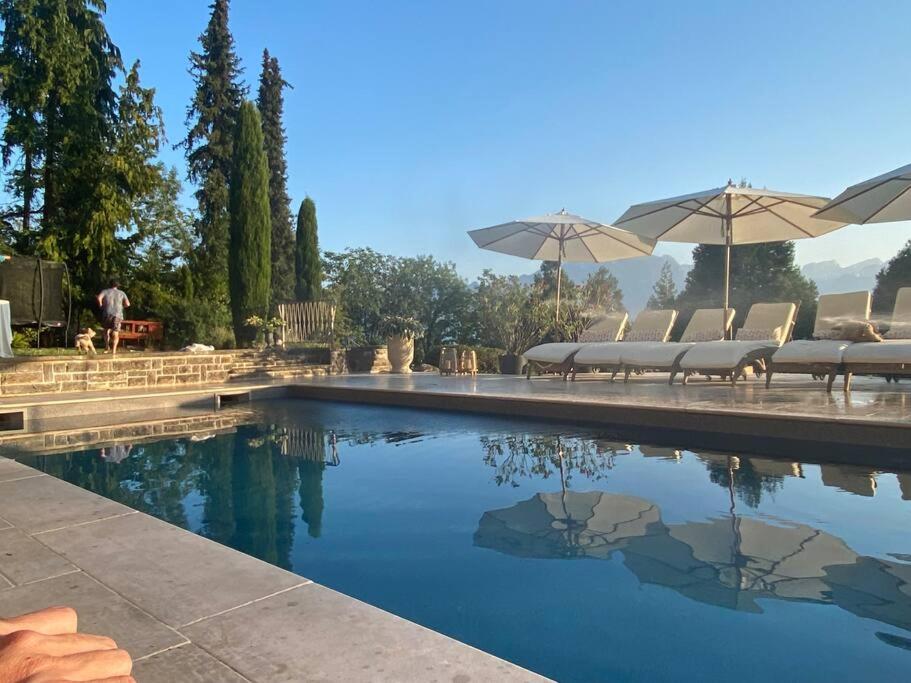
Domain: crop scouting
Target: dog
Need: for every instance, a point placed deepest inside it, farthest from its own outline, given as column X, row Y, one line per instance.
column 83, row 341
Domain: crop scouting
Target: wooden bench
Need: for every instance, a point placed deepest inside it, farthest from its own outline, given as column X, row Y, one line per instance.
column 146, row 332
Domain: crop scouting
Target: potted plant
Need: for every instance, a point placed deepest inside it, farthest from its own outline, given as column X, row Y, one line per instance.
column 522, row 330
column 400, row 331
column 266, row 329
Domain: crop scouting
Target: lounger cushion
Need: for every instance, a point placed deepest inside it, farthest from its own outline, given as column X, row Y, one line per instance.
column 889, row 351
column 556, row 352
column 653, row 354
column 825, row 351
column 721, row 355
column 898, row 331
column 600, row 354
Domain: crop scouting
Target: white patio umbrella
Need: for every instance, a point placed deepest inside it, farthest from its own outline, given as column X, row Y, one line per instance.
column 882, row 199
column 730, row 215
column 562, row 237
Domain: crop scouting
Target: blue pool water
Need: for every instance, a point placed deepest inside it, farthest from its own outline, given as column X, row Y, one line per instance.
column 573, row 554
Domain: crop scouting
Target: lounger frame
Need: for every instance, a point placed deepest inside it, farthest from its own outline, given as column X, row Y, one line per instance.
column 563, row 368
column 829, row 371
column 891, row 371
column 759, row 359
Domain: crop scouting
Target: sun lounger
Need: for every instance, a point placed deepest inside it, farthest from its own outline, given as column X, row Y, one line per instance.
column 766, row 328
column 892, row 356
column 649, row 326
column 557, row 356
column 823, row 355
column 706, row 325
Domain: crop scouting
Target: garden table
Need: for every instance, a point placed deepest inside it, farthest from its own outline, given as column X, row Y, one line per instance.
column 6, row 331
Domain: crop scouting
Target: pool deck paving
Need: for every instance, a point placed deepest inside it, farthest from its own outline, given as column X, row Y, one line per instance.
column 190, row 609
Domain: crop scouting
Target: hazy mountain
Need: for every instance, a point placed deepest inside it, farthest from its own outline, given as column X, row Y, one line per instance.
column 636, row 276
column 832, row 278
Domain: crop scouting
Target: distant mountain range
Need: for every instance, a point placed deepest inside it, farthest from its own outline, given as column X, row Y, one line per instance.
column 637, row 276
column 831, row 278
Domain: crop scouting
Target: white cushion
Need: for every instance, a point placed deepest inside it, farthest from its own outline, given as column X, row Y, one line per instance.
column 721, row 355
column 556, row 352
column 604, row 353
column 810, row 351
column 889, row 351
column 646, row 336
column 653, row 354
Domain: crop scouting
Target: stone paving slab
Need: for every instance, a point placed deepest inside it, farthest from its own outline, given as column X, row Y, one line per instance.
column 10, row 469
column 296, row 636
column 184, row 664
column 173, row 574
column 24, row 559
column 100, row 611
column 43, row 503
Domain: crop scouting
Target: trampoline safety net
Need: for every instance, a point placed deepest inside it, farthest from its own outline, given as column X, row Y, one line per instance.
column 35, row 291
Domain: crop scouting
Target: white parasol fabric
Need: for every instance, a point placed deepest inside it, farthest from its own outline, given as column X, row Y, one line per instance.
column 882, row 199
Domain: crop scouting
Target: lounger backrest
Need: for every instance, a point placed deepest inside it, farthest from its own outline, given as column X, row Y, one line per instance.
column 652, row 326
column 605, row 328
column 900, row 327
column 840, row 308
column 768, row 322
column 708, row 324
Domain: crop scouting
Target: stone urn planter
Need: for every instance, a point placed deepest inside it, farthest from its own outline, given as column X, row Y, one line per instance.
column 400, row 332
column 401, row 353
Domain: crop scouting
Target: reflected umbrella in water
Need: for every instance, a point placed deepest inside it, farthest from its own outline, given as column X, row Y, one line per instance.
column 568, row 524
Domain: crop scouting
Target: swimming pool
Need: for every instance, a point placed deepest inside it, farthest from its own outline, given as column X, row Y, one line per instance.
column 560, row 548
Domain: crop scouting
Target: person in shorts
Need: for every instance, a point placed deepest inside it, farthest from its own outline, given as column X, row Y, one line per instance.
column 112, row 301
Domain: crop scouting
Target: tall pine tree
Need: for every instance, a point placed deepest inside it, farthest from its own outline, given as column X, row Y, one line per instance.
column 307, row 266
column 664, row 291
column 759, row 273
column 249, row 254
column 894, row 275
column 271, row 104
column 212, row 119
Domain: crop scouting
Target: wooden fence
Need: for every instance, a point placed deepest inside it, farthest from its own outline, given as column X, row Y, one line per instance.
column 306, row 321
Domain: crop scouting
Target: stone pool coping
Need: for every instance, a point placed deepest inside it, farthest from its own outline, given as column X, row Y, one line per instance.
column 188, row 608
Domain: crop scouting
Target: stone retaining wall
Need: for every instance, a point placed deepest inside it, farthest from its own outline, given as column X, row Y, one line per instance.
column 54, row 374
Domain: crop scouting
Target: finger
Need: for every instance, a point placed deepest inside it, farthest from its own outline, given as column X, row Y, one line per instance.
column 71, row 644
column 90, row 666
column 50, row 621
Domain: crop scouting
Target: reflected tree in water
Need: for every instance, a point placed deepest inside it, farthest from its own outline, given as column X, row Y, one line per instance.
column 519, row 456
column 749, row 485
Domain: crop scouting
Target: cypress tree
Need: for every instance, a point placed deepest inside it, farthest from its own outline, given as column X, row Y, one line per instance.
column 271, row 104
column 211, row 119
column 894, row 275
column 307, row 267
column 250, row 225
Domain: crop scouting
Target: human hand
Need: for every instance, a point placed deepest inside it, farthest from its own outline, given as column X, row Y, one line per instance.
column 59, row 655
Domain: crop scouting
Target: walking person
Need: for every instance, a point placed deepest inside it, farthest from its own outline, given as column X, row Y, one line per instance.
column 112, row 301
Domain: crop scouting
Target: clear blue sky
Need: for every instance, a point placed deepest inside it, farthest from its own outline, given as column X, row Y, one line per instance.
column 411, row 122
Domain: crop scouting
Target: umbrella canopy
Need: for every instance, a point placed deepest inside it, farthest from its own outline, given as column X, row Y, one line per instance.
column 570, row 524
column 730, row 215
column 881, row 199
column 562, row 237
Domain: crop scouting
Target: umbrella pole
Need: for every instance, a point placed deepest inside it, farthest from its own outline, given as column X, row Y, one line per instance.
column 559, row 277
column 728, row 238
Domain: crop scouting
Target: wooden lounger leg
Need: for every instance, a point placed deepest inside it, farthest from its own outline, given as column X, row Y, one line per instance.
column 848, row 377
column 626, row 374
column 768, row 377
column 831, row 380
column 613, row 373
column 528, row 371
column 686, row 377
column 574, row 373
column 673, row 375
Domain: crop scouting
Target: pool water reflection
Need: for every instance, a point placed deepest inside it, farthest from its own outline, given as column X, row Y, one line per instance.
column 577, row 556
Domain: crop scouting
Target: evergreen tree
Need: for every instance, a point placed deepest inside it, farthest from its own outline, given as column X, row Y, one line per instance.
column 212, row 119
column 307, row 266
column 271, row 105
column 894, row 275
column 601, row 292
column 759, row 273
column 664, row 291
column 249, row 256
